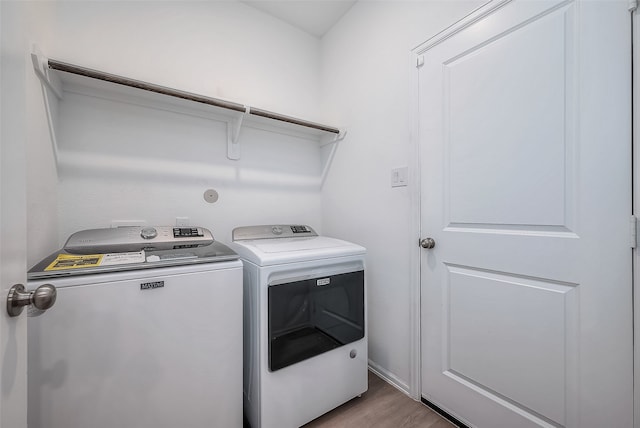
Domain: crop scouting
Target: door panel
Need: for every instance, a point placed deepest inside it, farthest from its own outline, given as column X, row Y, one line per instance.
column 484, row 92
column 13, row 331
column 526, row 189
column 490, row 342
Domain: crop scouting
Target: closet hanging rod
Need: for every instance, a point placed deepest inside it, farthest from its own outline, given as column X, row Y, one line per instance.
column 107, row 77
column 276, row 116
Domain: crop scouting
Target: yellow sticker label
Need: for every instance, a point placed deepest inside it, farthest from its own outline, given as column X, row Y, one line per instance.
column 68, row 261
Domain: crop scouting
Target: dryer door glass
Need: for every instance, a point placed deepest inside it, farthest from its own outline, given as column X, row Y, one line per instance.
column 313, row 316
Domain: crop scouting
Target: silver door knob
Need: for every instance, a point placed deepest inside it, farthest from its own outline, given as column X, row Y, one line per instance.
column 428, row 243
column 42, row 298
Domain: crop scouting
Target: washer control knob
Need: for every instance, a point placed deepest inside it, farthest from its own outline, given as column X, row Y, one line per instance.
column 277, row 230
column 148, row 233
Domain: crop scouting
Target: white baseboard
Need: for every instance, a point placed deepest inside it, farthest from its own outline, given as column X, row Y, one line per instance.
column 390, row 378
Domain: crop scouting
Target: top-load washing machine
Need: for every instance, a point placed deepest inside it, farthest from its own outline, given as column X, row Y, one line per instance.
column 305, row 336
column 146, row 332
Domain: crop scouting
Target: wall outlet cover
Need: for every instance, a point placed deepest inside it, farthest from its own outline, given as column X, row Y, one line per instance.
column 182, row 221
column 399, row 176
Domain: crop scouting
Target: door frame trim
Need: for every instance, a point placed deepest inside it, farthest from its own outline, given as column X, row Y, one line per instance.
column 415, row 318
column 635, row 186
column 478, row 14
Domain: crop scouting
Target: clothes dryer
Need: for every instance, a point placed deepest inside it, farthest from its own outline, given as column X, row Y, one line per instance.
column 305, row 338
column 146, row 332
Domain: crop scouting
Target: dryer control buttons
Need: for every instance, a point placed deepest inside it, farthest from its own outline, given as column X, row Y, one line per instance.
column 269, row 231
column 148, row 232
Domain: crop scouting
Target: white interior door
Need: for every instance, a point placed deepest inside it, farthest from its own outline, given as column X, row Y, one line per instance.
column 13, row 355
column 525, row 139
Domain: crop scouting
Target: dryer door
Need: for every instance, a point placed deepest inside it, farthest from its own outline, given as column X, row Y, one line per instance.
column 313, row 316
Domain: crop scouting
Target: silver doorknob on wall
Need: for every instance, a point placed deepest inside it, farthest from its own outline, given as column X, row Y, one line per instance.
column 42, row 298
column 428, row 243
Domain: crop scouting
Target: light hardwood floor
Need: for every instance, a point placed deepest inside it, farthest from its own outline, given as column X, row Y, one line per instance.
column 382, row 406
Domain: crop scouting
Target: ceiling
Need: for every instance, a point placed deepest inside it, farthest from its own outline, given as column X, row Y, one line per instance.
column 316, row 17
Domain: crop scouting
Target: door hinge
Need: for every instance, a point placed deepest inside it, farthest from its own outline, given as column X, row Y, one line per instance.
column 419, row 61
column 633, row 5
column 634, row 225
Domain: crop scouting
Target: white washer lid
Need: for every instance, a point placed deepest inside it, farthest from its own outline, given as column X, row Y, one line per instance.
column 266, row 252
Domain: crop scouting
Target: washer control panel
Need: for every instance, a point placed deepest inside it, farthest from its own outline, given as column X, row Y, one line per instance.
column 136, row 238
column 188, row 232
column 271, row 231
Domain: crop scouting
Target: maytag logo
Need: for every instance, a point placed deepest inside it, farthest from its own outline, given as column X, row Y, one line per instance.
column 151, row 285
column 323, row 281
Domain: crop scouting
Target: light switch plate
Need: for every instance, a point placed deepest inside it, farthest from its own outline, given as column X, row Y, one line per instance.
column 399, row 176
column 182, row 221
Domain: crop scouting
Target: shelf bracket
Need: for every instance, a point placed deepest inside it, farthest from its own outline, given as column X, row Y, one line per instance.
column 51, row 81
column 41, row 66
column 233, row 134
column 329, row 157
column 334, row 138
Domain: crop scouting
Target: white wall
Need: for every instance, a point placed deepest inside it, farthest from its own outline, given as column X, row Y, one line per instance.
column 357, row 76
column 366, row 83
column 222, row 49
column 152, row 165
column 42, row 189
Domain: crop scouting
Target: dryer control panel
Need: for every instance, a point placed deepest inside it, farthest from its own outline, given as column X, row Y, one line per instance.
column 272, row 231
column 136, row 238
